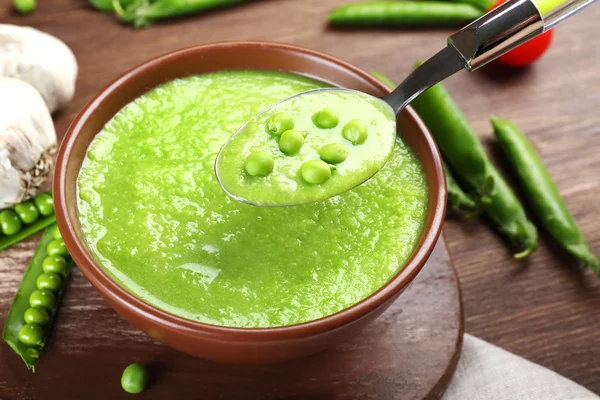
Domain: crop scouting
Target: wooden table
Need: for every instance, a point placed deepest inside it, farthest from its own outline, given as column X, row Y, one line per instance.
column 544, row 308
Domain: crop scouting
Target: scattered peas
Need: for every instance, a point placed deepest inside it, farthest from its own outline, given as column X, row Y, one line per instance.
column 31, row 335
column 25, row 6
column 134, row 379
column 326, row 118
column 291, row 141
column 280, row 122
column 333, row 153
column 49, row 280
column 37, row 315
column 315, row 171
column 42, row 298
column 260, row 163
column 55, row 264
column 355, row 131
column 27, row 212
column 10, row 222
column 57, row 248
column 44, row 204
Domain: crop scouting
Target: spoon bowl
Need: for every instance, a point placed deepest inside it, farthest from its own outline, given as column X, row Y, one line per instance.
column 345, row 134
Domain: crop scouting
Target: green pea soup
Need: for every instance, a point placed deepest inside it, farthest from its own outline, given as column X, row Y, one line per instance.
column 157, row 221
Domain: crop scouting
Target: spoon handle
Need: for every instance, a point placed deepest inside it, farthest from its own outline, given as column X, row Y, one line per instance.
column 555, row 11
column 496, row 33
column 508, row 26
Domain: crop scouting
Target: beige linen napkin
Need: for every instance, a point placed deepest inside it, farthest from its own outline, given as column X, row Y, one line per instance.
column 486, row 372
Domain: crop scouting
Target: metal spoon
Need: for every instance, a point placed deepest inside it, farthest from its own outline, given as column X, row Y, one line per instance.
column 494, row 34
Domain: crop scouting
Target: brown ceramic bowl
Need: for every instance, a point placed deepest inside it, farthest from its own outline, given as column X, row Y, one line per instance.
column 239, row 345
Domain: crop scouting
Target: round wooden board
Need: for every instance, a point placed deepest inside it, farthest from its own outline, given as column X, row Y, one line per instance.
column 410, row 352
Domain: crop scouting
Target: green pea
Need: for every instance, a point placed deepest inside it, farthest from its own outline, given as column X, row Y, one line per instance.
column 37, row 315
column 44, row 204
column 326, row 118
column 260, row 163
column 31, row 335
column 57, row 248
column 57, row 234
column 49, row 280
column 280, row 122
column 27, row 212
column 55, row 264
column 10, row 222
column 291, row 141
column 134, row 379
column 25, row 6
column 333, row 153
column 42, row 298
column 355, row 131
column 315, row 171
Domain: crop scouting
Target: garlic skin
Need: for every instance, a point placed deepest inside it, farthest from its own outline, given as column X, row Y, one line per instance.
column 27, row 141
column 41, row 60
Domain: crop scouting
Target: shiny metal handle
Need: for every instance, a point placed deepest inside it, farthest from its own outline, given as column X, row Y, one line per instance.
column 555, row 11
column 508, row 26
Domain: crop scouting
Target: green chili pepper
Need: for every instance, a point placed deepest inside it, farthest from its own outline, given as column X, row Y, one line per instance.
column 404, row 13
column 28, row 229
column 16, row 320
column 466, row 156
column 142, row 12
column 542, row 193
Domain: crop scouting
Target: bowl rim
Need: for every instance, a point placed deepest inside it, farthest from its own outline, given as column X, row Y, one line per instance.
column 112, row 291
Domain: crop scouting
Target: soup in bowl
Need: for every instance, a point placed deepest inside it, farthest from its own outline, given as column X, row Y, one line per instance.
column 145, row 219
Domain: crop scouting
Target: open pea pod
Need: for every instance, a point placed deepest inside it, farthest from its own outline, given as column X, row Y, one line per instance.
column 43, row 202
column 15, row 319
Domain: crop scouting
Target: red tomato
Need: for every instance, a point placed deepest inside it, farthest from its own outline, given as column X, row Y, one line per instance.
column 528, row 52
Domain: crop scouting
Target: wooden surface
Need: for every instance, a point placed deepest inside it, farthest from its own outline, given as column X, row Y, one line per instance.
column 409, row 353
column 543, row 308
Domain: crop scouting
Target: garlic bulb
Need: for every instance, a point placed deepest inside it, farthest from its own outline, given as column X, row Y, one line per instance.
column 27, row 141
column 39, row 59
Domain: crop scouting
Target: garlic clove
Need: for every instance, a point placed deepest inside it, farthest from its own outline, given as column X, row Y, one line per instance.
column 41, row 60
column 27, row 141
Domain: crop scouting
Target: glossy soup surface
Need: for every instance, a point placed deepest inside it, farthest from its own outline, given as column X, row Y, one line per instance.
column 157, row 221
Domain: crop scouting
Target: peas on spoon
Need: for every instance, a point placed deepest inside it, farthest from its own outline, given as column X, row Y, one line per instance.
column 307, row 148
column 297, row 171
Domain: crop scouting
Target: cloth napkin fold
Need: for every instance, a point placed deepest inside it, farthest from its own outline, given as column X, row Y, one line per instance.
column 486, row 372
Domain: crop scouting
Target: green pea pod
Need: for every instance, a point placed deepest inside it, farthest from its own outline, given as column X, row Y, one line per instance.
column 508, row 216
column 107, row 5
column 483, row 5
column 27, row 229
column 404, row 13
column 459, row 145
column 457, row 198
column 142, row 12
column 467, row 158
column 384, row 79
column 542, row 193
column 14, row 321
